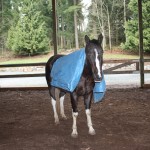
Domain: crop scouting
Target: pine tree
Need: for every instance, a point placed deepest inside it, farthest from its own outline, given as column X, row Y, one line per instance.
column 30, row 35
column 132, row 32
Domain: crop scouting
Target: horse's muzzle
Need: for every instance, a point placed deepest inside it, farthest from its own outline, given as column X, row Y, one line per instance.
column 98, row 79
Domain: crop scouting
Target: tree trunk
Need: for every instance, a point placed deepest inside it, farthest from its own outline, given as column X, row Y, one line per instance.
column 94, row 30
column 103, row 30
column 62, row 30
column 124, row 4
column 117, row 35
column 75, row 27
column 109, row 30
column 116, row 31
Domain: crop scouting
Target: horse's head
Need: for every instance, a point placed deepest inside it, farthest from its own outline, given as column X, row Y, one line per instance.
column 94, row 55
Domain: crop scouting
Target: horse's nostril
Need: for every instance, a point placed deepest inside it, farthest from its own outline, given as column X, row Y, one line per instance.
column 98, row 79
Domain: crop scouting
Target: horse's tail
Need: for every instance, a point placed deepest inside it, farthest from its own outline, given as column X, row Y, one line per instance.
column 48, row 68
column 46, row 75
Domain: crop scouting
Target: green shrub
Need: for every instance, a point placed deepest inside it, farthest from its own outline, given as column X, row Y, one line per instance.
column 29, row 36
column 132, row 33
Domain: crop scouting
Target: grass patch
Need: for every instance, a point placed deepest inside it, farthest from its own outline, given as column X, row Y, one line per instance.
column 25, row 60
column 119, row 56
column 44, row 58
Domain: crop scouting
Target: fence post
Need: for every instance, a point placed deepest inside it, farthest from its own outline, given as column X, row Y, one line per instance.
column 137, row 66
column 54, row 26
column 141, row 42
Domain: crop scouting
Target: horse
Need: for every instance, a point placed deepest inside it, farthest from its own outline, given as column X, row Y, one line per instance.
column 91, row 74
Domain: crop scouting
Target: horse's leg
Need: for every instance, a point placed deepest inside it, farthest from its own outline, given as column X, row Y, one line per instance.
column 62, row 112
column 53, row 101
column 55, row 111
column 74, row 102
column 87, row 102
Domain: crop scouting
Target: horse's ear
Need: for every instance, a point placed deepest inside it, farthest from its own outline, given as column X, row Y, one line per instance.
column 87, row 39
column 100, row 38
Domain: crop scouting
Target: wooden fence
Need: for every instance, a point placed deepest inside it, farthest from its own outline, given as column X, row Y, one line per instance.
column 109, row 70
column 124, row 63
column 22, row 74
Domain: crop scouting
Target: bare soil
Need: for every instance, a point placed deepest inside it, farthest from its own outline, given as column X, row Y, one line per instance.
column 121, row 121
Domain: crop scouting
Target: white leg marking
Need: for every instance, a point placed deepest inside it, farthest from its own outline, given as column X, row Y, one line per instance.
column 55, row 111
column 62, row 107
column 97, row 63
column 74, row 133
column 89, row 122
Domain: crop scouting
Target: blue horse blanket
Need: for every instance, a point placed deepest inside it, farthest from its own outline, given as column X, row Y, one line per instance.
column 67, row 70
column 99, row 90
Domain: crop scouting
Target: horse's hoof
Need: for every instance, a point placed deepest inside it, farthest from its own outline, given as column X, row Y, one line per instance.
column 74, row 135
column 64, row 117
column 57, row 122
column 92, row 132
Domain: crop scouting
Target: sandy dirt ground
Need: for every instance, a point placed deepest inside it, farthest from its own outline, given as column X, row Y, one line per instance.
column 121, row 121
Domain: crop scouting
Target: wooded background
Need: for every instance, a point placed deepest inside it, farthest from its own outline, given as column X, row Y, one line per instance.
column 26, row 25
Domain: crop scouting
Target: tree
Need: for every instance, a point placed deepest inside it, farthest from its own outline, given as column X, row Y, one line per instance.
column 106, row 16
column 5, row 21
column 69, row 21
column 75, row 26
column 30, row 35
column 65, row 24
column 132, row 34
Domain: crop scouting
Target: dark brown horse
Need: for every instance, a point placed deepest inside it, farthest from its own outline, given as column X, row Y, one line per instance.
column 92, row 73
